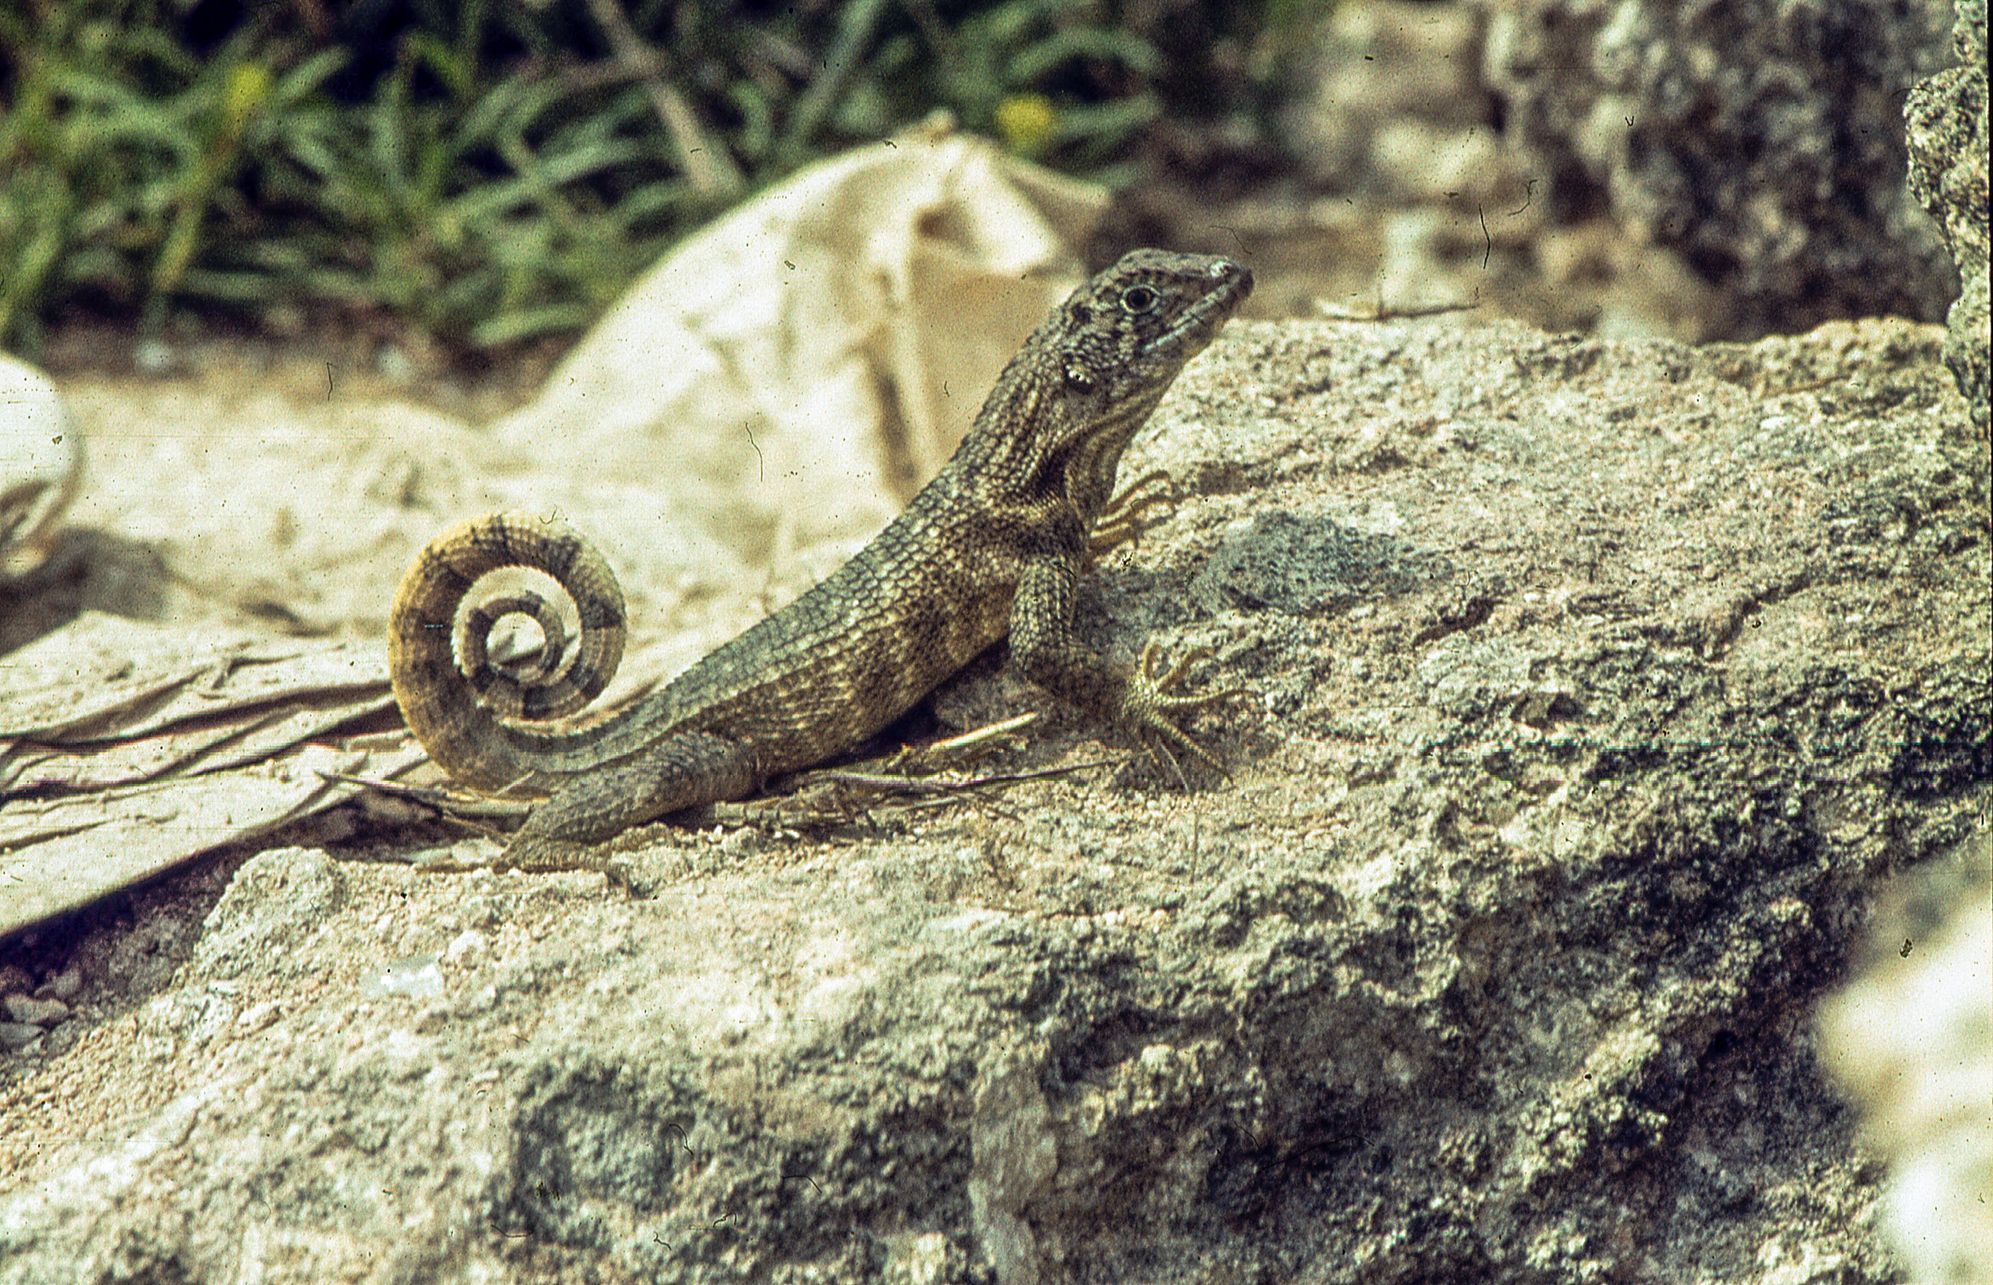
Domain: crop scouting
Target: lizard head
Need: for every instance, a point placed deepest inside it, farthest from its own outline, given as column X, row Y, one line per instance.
column 1088, row 377
column 1092, row 373
column 1128, row 331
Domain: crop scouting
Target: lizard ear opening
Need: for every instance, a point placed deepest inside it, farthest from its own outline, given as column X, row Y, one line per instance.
column 1077, row 376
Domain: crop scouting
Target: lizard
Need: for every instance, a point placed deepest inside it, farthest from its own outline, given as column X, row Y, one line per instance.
column 995, row 545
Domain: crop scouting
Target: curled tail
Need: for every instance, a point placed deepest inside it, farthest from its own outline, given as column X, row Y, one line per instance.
column 467, row 706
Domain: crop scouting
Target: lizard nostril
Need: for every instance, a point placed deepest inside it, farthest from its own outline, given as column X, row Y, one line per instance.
column 1232, row 270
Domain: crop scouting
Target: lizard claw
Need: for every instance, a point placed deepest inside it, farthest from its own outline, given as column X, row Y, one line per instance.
column 1156, row 701
column 1127, row 516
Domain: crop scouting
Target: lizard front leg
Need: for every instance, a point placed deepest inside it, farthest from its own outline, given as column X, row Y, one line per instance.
column 1149, row 699
column 1130, row 513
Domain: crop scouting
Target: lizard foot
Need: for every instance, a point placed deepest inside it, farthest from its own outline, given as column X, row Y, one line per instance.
column 544, row 854
column 1155, row 702
column 1127, row 515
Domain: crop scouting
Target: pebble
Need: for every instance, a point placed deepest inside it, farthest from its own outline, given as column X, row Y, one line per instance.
column 65, row 985
column 35, row 1012
column 465, row 945
column 15, row 1036
column 416, row 977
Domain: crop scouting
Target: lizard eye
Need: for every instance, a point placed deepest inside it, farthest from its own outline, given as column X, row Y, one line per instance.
column 1139, row 299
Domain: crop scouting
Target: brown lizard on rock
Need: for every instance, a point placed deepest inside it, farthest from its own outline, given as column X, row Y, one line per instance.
column 995, row 545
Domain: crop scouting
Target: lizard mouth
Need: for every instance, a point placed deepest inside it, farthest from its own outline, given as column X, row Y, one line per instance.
column 1230, row 284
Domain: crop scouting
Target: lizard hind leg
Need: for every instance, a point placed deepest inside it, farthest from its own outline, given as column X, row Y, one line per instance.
column 684, row 770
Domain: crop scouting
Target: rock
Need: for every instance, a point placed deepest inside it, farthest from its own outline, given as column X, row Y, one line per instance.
column 1758, row 140
column 16, row 1037
column 35, row 1012
column 1946, row 121
column 65, row 985
column 41, row 465
column 1596, row 687
column 1388, row 67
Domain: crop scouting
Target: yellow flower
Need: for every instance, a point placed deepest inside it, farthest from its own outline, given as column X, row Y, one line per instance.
column 1026, row 122
column 248, row 86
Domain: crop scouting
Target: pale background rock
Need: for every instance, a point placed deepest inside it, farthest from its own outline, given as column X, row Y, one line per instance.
column 1912, row 1040
column 794, row 370
column 41, row 465
column 1627, row 168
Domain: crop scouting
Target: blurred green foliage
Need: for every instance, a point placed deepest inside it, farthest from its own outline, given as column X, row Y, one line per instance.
column 488, row 171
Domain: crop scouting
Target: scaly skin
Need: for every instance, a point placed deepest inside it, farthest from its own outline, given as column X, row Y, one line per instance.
column 995, row 545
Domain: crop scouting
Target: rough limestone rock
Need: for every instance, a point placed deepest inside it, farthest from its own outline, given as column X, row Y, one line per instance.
column 1946, row 122
column 1596, row 687
column 1761, row 140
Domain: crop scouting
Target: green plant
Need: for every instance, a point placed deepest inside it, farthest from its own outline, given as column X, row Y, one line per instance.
column 489, row 172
